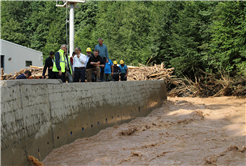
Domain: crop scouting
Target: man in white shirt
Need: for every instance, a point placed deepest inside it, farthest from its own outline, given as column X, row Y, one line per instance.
column 79, row 61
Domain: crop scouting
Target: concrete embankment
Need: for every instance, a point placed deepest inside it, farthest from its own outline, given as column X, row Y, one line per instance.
column 40, row 115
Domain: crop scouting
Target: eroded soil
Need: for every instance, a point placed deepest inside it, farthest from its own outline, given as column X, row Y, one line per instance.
column 185, row 131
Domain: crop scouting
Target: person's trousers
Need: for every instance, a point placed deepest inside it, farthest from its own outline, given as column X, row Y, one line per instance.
column 79, row 74
column 93, row 76
column 115, row 77
column 102, row 70
column 108, row 77
column 89, row 72
column 69, row 77
column 123, row 77
column 52, row 75
column 61, row 77
column 102, row 74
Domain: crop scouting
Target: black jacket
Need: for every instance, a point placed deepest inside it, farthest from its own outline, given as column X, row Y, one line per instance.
column 48, row 64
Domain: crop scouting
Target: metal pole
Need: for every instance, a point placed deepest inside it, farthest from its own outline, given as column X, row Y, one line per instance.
column 71, row 29
column 66, row 31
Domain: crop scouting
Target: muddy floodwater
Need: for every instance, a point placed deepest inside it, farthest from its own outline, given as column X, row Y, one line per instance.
column 184, row 131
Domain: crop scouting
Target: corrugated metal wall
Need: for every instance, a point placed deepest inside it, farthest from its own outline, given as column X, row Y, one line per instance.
column 15, row 56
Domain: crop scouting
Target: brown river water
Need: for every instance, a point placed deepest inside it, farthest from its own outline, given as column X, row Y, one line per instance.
column 184, row 131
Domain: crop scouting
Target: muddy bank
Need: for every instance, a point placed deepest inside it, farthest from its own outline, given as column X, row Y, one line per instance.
column 185, row 131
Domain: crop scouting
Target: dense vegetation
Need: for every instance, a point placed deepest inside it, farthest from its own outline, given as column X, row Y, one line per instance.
column 193, row 37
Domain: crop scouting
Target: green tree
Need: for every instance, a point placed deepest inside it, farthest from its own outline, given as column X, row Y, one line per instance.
column 125, row 29
column 85, row 23
column 228, row 41
column 11, row 31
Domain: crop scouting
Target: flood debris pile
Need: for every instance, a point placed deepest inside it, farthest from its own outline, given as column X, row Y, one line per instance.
column 155, row 72
column 205, row 85
column 208, row 85
column 219, row 85
column 36, row 73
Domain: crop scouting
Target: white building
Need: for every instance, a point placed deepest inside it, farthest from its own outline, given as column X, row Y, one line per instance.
column 15, row 57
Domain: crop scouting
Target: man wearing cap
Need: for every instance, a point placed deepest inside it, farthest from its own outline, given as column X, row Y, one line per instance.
column 79, row 61
column 123, row 71
column 88, row 55
column 115, row 72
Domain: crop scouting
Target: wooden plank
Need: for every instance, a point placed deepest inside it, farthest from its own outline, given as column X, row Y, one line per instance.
column 162, row 65
column 2, row 72
column 36, row 67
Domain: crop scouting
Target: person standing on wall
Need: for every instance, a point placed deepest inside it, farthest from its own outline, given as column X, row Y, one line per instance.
column 93, row 65
column 123, row 71
column 69, row 71
column 49, row 64
column 115, row 72
column 71, row 58
column 103, row 52
column 79, row 65
column 102, row 66
column 88, row 55
column 59, row 65
column 108, row 70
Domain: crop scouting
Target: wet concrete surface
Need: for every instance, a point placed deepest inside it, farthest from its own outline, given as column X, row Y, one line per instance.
column 184, row 131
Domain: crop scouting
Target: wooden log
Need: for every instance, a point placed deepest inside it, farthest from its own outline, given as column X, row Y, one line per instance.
column 133, row 67
column 170, row 69
column 156, row 67
column 36, row 67
column 2, row 72
column 162, row 65
column 38, row 75
column 149, row 60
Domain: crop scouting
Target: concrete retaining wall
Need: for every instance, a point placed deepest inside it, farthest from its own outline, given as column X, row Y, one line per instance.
column 40, row 115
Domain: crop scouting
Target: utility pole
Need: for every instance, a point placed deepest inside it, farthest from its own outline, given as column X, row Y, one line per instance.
column 71, row 4
column 71, row 29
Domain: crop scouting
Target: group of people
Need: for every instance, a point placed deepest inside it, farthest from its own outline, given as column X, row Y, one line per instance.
column 94, row 67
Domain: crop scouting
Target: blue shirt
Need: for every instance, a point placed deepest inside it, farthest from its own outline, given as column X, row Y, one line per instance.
column 103, row 51
column 123, row 69
column 22, row 76
column 107, row 68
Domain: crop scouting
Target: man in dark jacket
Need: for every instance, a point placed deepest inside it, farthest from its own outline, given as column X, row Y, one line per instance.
column 25, row 75
column 93, row 65
column 49, row 64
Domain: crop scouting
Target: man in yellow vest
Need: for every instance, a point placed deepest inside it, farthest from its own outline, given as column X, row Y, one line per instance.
column 59, row 66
